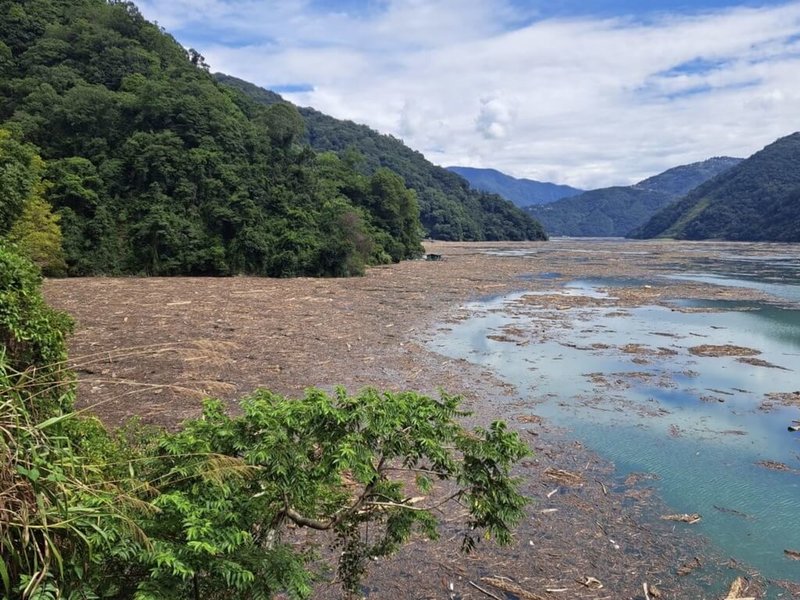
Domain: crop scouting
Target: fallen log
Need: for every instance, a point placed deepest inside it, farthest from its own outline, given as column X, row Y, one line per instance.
column 690, row 518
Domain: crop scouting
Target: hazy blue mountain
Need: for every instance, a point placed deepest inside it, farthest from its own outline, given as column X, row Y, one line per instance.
column 758, row 199
column 522, row 192
column 616, row 211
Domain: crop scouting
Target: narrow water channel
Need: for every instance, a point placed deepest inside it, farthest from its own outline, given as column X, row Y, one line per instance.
column 635, row 386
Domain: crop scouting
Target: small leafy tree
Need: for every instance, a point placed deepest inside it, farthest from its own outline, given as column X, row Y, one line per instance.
column 37, row 235
column 233, row 489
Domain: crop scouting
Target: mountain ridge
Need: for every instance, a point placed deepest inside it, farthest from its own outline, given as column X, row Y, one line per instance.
column 616, row 211
column 756, row 200
column 521, row 191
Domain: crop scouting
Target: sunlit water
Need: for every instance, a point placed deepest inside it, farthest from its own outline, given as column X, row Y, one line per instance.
column 693, row 421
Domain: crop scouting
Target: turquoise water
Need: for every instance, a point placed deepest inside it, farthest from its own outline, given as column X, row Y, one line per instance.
column 694, row 421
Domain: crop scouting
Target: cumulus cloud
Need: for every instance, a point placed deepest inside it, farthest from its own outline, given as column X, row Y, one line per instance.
column 494, row 118
column 585, row 101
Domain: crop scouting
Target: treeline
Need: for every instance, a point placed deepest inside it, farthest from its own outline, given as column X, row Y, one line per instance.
column 142, row 163
column 449, row 208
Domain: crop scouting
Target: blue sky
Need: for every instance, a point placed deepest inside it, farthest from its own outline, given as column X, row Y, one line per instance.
column 589, row 93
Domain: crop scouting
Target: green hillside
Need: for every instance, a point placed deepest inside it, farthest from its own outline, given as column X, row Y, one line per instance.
column 759, row 199
column 449, row 208
column 615, row 211
column 607, row 212
column 153, row 167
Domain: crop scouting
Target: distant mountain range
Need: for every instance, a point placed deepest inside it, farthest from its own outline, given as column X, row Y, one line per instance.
column 449, row 208
column 616, row 211
column 758, row 199
column 522, row 192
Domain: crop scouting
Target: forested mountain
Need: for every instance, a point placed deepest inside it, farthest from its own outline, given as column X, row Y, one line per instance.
column 607, row 212
column 679, row 181
column 615, row 211
column 758, row 199
column 522, row 192
column 138, row 161
column 449, row 208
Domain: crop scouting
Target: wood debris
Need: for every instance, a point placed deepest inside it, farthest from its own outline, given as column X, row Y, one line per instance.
column 738, row 587
column 688, row 567
column 726, row 350
column 793, row 554
column 774, row 465
column 591, row 582
column 501, row 583
column 690, row 518
column 564, row 477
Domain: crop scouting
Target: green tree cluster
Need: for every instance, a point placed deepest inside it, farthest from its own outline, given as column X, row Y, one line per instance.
column 153, row 167
column 215, row 509
column 26, row 219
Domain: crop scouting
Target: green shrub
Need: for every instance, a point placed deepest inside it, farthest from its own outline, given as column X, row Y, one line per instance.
column 33, row 336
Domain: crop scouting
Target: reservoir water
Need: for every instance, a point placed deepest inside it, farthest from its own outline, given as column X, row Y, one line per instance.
column 682, row 391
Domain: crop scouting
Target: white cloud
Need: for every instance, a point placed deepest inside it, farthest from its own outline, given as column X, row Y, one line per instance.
column 495, row 118
column 588, row 102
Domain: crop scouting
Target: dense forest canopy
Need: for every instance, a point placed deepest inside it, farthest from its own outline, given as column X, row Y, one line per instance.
column 449, row 208
column 120, row 140
column 758, row 199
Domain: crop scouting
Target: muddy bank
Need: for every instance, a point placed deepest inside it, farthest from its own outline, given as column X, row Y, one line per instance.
column 155, row 347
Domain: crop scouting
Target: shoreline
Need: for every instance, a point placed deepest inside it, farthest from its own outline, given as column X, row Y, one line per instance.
column 224, row 337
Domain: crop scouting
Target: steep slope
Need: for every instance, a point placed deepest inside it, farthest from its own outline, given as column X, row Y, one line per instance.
column 679, row 181
column 759, row 199
column 522, row 192
column 607, row 212
column 616, row 211
column 449, row 208
column 155, row 168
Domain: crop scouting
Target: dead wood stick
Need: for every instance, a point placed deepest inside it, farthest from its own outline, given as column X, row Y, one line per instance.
column 485, row 591
column 510, row 586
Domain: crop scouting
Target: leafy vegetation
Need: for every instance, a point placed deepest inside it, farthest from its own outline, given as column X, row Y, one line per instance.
column 615, row 211
column 759, row 199
column 150, row 166
column 216, row 509
column 522, row 192
column 449, row 208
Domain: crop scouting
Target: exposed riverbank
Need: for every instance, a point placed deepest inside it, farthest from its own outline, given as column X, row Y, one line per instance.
column 154, row 347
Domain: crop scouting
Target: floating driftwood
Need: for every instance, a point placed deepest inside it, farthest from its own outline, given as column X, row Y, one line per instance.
column 737, row 589
column 688, row 567
column 690, row 518
column 501, row 583
column 591, row 582
column 651, row 591
column 564, row 477
column 793, row 554
column 725, row 350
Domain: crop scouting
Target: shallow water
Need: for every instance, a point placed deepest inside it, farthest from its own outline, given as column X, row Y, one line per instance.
column 694, row 421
